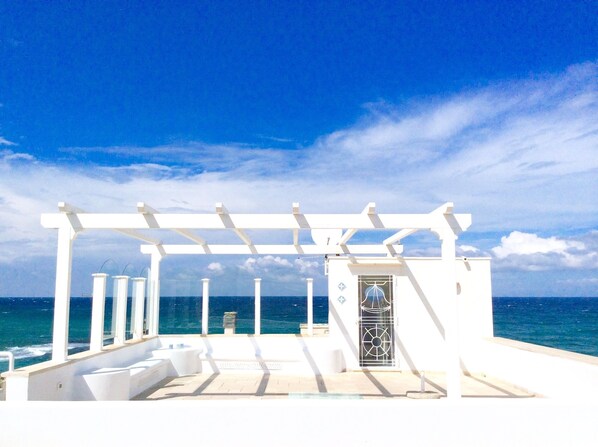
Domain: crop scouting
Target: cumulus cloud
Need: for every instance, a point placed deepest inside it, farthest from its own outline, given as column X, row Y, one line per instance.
column 265, row 264
column 518, row 243
column 307, row 267
column 466, row 249
column 528, row 251
column 215, row 268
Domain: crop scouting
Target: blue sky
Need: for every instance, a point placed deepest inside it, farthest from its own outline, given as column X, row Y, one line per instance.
column 491, row 105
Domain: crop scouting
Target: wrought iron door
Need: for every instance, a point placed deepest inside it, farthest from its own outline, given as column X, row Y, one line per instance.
column 376, row 347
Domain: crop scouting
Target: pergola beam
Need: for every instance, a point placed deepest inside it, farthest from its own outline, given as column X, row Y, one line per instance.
column 271, row 249
column 136, row 235
column 346, row 236
column 146, row 210
column 399, row 235
column 229, row 223
column 370, row 210
column 438, row 221
column 98, row 221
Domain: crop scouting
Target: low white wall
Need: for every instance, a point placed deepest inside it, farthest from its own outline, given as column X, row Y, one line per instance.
column 56, row 382
column 544, row 371
column 302, row 422
column 49, row 381
column 291, row 353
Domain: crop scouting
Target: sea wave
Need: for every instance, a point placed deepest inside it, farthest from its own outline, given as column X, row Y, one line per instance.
column 27, row 352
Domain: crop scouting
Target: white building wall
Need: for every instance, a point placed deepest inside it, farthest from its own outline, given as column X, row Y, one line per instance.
column 419, row 307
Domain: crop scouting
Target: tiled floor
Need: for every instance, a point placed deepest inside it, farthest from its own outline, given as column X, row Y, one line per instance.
column 349, row 385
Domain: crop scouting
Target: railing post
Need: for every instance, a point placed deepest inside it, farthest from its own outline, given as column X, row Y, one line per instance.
column 121, row 292
column 96, row 341
column 137, row 308
column 310, row 306
column 258, row 306
column 205, row 306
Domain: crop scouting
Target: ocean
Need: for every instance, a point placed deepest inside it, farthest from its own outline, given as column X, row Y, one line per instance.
column 26, row 323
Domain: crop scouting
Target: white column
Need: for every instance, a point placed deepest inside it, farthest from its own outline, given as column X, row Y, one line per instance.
column 114, row 312
column 137, row 307
column 148, row 301
column 62, row 294
column 451, row 322
column 205, row 305
column 258, row 306
column 96, row 341
column 122, row 289
column 310, row 306
column 154, row 314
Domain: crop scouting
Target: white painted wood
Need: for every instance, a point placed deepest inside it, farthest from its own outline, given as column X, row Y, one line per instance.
column 205, row 306
column 346, row 236
column 370, row 208
column 258, row 306
column 137, row 235
column 62, row 293
column 137, row 308
column 122, row 289
column 114, row 313
column 96, row 341
column 154, row 310
column 453, row 371
column 399, row 235
column 310, row 306
column 258, row 221
column 274, row 249
column 148, row 301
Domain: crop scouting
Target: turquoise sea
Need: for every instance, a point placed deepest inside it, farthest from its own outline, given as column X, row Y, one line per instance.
column 26, row 323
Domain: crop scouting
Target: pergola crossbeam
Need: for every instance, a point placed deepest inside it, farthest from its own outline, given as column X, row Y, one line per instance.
column 370, row 210
column 137, row 235
column 149, row 212
column 229, row 223
column 399, row 235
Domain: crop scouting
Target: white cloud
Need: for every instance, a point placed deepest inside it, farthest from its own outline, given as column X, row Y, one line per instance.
column 264, row 264
column 518, row 243
column 5, row 142
column 516, row 155
column 307, row 267
column 467, row 249
column 527, row 251
column 215, row 268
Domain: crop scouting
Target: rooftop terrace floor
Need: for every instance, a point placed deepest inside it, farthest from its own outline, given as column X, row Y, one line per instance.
column 348, row 385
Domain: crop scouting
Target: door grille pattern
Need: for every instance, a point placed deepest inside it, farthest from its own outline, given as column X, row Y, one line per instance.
column 376, row 320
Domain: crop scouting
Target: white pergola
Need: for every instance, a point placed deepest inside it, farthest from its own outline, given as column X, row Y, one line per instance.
column 330, row 235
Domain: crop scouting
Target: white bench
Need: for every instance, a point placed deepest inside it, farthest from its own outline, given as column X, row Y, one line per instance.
column 123, row 383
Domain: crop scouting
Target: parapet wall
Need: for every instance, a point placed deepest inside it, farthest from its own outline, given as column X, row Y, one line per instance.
column 541, row 370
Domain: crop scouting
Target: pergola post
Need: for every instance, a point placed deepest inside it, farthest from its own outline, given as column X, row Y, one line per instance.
column 121, row 292
column 451, row 327
column 154, row 310
column 310, row 306
column 96, row 341
column 62, row 293
column 205, row 306
column 137, row 308
column 148, row 301
column 258, row 306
